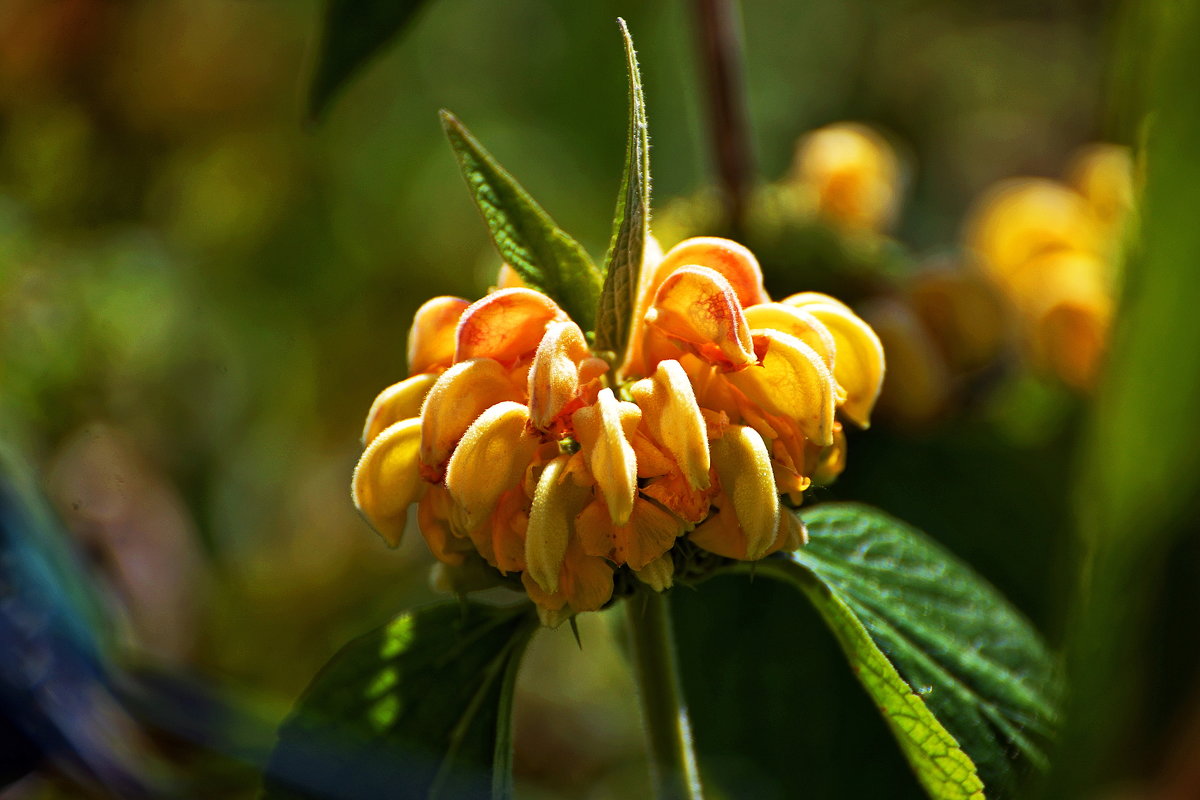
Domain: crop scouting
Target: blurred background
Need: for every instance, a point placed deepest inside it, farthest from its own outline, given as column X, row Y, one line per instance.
column 202, row 290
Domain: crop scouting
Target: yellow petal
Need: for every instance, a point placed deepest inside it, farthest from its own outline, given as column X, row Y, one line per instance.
column 431, row 338
column 1104, row 175
column 852, row 172
column 505, row 325
column 743, row 467
column 805, row 299
column 386, row 481
column 456, row 399
column 859, row 365
column 793, row 382
column 604, row 431
column 433, row 517
column 556, row 501
column 697, row 308
column 658, row 574
column 585, row 584
column 671, row 414
column 554, row 376
column 490, row 459
column 399, row 401
column 796, row 322
column 509, row 278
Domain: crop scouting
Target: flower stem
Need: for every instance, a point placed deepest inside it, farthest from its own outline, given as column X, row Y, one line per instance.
column 668, row 732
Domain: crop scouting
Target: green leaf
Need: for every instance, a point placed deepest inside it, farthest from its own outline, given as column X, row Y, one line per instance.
column 354, row 32
column 631, row 223
column 420, row 707
column 975, row 662
column 527, row 238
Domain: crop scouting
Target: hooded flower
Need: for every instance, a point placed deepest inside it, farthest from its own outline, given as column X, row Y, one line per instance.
column 524, row 450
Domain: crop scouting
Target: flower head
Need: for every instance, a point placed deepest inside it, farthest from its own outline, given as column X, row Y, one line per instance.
column 525, row 450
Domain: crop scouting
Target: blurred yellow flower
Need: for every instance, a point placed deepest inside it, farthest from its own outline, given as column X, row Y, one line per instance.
column 1053, row 249
column 849, row 174
column 523, row 448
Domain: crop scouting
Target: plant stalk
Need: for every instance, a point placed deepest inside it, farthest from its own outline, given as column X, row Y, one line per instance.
column 668, row 732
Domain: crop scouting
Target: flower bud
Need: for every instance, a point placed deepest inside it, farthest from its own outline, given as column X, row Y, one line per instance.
column 386, row 481
column 490, row 459
column 556, row 501
column 459, row 396
column 743, row 467
column 554, row 376
column 604, row 431
column 431, row 337
column 399, row 401
column 673, row 418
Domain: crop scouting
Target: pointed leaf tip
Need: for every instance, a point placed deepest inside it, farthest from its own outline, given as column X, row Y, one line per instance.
column 631, row 221
column 527, row 238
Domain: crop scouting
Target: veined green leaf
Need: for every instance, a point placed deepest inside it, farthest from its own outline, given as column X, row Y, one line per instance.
column 973, row 660
column 420, row 707
column 631, row 223
column 354, row 32
column 527, row 238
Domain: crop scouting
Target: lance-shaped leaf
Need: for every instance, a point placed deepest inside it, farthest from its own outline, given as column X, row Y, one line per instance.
column 355, row 31
column 419, row 708
column 528, row 240
column 971, row 659
column 631, row 224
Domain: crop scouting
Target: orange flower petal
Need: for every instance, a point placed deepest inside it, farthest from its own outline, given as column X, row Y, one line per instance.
column 658, row 574
column 585, row 584
column 399, row 401
column 698, row 309
column 671, row 414
column 490, row 459
column 674, row 492
column 604, row 431
column 386, row 481
column 793, row 382
column 743, row 467
column 554, row 376
column 431, row 338
column 650, row 532
column 505, row 325
column 456, row 399
column 433, row 517
column 734, row 261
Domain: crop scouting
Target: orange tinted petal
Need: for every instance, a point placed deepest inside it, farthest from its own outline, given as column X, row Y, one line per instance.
column 399, row 401
column 433, row 517
column 386, row 481
column 554, row 376
column 697, row 308
column 649, row 533
column 585, row 583
column 743, row 467
column 734, row 261
column 793, row 382
column 556, row 501
column 431, row 339
column 505, row 325
column 604, row 431
column 671, row 414
column 456, row 399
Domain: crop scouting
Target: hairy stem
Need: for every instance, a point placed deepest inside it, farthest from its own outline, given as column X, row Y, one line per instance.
column 668, row 732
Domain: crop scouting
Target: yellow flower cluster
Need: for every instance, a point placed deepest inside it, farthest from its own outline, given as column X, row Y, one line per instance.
column 523, row 447
column 1053, row 248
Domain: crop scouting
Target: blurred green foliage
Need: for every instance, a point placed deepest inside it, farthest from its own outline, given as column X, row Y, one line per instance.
column 222, row 290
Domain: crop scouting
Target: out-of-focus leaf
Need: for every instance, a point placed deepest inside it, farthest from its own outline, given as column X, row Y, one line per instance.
column 528, row 240
column 976, row 663
column 420, row 707
column 631, row 222
column 354, row 32
column 1138, row 488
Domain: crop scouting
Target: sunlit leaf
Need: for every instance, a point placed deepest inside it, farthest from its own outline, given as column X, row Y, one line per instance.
column 631, row 223
column 528, row 240
column 355, row 31
column 973, row 660
column 420, row 707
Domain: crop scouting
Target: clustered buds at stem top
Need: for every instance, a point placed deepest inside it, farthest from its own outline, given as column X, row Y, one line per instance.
column 524, row 449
